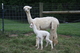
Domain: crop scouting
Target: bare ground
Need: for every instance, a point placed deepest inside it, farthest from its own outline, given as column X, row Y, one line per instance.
column 30, row 33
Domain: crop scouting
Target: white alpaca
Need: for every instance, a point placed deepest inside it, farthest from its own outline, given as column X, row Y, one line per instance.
column 44, row 23
column 40, row 34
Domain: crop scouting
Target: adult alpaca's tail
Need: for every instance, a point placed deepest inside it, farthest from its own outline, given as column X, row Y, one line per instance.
column 53, row 25
column 57, row 23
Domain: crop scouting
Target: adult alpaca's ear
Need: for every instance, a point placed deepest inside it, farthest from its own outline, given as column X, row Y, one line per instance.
column 30, row 7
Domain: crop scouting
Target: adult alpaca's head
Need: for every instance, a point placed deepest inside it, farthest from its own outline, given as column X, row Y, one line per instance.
column 27, row 8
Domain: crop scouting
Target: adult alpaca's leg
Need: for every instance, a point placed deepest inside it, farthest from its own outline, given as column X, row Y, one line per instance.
column 53, row 36
column 53, row 33
column 36, row 42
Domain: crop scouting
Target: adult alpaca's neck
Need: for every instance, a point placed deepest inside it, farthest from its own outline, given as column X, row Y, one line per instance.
column 29, row 17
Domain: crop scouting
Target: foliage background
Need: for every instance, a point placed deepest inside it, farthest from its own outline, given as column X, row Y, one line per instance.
column 23, row 2
column 49, row 5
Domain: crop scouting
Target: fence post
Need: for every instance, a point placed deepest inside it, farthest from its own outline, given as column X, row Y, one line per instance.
column 41, row 9
column 2, row 17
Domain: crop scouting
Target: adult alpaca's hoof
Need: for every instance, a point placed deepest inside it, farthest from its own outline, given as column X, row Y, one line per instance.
column 37, row 48
column 41, row 48
column 55, row 42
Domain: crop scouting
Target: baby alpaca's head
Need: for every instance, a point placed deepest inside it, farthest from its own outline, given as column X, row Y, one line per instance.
column 31, row 25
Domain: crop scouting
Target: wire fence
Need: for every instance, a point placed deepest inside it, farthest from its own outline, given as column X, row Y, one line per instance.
column 17, row 13
column 14, row 14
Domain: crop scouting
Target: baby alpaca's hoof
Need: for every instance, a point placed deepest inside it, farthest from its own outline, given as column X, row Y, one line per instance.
column 54, row 44
column 35, row 45
column 52, row 48
column 46, row 45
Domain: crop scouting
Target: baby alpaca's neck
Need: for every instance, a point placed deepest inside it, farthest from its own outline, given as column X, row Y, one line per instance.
column 35, row 29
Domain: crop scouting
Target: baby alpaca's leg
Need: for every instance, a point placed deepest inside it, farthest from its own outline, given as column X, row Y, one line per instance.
column 47, row 43
column 50, row 42
column 41, row 43
column 37, row 43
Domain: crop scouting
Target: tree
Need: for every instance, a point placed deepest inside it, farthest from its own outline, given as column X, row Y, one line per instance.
column 23, row 2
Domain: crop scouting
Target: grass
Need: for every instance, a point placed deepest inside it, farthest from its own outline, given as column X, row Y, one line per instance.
column 66, row 29
column 26, row 44
column 68, row 37
column 69, row 29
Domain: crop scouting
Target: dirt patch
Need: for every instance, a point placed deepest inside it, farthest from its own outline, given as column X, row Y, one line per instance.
column 28, row 34
column 67, row 36
column 13, row 35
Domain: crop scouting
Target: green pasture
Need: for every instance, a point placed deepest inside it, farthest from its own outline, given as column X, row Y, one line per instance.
column 64, row 28
column 72, row 29
column 12, row 25
column 68, row 37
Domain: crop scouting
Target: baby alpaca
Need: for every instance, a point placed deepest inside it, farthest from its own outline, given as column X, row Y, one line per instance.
column 40, row 34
